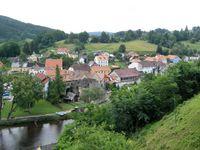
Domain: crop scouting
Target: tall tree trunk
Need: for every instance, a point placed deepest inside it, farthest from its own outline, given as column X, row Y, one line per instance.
column 11, row 110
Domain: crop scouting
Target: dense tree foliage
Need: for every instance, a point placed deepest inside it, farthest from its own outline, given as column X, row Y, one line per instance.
column 56, row 88
column 122, row 48
column 104, row 38
column 11, row 29
column 47, row 39
column 9, row 49
column 90, row 138
column 26, row 91
column 92, row 94
column 83, row 37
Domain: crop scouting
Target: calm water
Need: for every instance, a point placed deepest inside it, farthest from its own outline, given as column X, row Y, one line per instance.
column 28, row 137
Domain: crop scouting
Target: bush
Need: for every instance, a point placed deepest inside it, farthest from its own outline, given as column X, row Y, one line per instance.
column 92, row 94
column 90, row 138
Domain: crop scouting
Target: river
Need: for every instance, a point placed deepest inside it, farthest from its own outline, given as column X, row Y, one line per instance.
column 29, row 137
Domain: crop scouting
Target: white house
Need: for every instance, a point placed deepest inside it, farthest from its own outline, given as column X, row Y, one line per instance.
column 101, row 60
column 148, row 66
column 37, row 68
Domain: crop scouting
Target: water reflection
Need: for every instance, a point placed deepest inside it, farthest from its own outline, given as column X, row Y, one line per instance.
column 27, row 137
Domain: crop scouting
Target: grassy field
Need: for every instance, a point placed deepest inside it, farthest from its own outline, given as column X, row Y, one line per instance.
column 42, row 107
column 136, row 45
column 192, row 45
column 179, row 130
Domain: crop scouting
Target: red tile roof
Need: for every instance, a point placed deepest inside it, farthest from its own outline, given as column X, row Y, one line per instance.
column 52, row 63
column 81, row 67
column 127, row 72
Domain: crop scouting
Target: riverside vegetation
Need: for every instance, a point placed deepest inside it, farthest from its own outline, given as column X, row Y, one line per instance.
column 133, row 108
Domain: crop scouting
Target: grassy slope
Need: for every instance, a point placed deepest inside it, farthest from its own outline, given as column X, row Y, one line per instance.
column 182, row 134
column 192, row 45
column 137, row 45
column 42, row 107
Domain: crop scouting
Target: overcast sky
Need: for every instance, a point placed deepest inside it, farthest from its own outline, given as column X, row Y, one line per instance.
column 104, row 15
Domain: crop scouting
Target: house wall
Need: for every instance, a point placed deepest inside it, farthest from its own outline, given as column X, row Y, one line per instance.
column 135, row 65
column 101, row 62
column 148, row 69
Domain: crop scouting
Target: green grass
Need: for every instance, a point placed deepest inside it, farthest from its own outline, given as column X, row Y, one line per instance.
column 179, row 130
column 42, row 107
column 136, row 45
column 195, row 45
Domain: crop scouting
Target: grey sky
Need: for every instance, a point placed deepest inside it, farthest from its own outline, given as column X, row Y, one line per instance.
column 104, row 15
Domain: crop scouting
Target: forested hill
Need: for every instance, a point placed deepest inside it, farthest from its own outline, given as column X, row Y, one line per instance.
column 11, row 29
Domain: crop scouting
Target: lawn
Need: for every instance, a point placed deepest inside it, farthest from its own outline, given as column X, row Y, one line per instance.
column 136, row 45
column 192, row 45
column 42, row 107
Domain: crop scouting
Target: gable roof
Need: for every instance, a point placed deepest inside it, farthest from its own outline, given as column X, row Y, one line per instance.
column 96, row 68
column 127, row 72
column 102, row 57
column 81, row 67
column 52, row 63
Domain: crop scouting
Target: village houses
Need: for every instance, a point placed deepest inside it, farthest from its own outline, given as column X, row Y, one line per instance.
column 148, row 66
column 102, row 59
column 50, row 66
column 125, row 76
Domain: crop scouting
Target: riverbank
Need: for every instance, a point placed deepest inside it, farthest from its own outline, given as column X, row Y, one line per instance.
column 41, row 107
column 20, row 121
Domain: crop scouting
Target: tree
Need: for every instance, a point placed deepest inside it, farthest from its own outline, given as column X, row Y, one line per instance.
column 78, row 47
column 1, row 94
column 9, row 49
column 122, row 48
column 56, row 88
column 94, row 39
column 59, row 82
column 67, row 62
column 159, row 50
column 92, row 94
column 83, row 37
column 92, row 137
column 27, row 49
column 26, row 91
column 104, row 38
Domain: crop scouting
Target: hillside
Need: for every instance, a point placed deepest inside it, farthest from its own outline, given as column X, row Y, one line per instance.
column 179, row 130
column 195, row 45
column 17, row 30
column 136, row 45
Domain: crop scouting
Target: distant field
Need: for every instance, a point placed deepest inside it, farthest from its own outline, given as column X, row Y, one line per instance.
column 192, row 45
column 136, row 45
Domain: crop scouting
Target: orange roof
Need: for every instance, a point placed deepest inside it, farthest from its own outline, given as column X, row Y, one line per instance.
column 102, row 57
column 63, row 50
column 52, row 72
column 95, row 69
column 52, row 63
column 171, row 56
